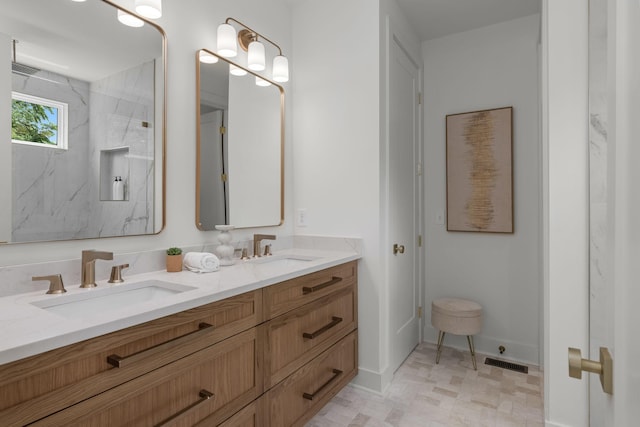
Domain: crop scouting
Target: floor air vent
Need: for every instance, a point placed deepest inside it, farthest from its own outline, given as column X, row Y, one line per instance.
column 506, row 365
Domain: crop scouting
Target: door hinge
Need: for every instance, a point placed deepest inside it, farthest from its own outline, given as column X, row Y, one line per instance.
column 223, row 177
column 223, row 130
column 420, row 240
column 420, row 312
column 419, row 98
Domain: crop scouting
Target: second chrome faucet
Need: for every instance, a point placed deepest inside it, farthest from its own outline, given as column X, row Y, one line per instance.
column 89, row 258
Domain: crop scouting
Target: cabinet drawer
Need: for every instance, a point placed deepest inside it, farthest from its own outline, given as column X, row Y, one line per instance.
column 295, row 400
column 286, row 296
column 218, row 380
column 250, row 416
column 295, row 338
column 37, row 386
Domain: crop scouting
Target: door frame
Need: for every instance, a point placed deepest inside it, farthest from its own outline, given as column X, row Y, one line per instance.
column 565, row 205
column 414, row 53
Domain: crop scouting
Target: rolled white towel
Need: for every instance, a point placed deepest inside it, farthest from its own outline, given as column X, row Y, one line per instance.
column 201, row 262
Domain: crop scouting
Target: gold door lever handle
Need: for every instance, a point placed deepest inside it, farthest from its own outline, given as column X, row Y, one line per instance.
column 604, row 367
column 398, row 249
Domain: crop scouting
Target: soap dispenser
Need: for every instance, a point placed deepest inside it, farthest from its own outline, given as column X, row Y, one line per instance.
column 118, row 189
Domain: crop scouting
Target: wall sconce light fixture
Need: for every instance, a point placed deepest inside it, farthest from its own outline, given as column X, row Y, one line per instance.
column 207, row 58
column 129, row 20
column 250, row 41
column 151, row 9
column 237, row 71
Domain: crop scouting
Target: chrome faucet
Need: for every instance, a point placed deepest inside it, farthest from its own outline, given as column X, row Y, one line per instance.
column 257, row 238
column 89, row 266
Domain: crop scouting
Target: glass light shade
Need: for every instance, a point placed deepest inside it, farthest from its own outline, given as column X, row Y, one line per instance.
column 262, row 82
column 129, row 20
column 237, row 71
column 207, row 58
column 280, row 69
column 227, row 45
column 79, row 1
column 151, row 9
column 255, row 56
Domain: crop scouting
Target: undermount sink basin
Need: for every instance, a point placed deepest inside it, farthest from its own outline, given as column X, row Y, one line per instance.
column 284, row 260
column 93, row 301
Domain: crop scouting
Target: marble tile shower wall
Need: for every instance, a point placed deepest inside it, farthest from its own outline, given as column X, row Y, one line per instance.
column 54, row 189
column 120, row 106
column 50, row 191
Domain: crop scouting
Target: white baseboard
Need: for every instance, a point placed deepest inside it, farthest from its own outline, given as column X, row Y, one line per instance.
column 372, row 381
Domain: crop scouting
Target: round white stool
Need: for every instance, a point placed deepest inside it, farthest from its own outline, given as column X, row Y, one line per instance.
column 459, row 317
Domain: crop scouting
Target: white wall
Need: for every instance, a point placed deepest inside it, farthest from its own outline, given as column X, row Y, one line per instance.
column 495, row 66
column 566, row 255
column 336, row 162
column 188, row 29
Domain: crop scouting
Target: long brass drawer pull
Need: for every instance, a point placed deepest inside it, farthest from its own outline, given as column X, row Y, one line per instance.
column 307, row 290
column 334, row 321
column 121, row 362
column 204, row 396
column 336, row 374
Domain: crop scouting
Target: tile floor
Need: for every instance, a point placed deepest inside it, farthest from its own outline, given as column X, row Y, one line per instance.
column 448, row 394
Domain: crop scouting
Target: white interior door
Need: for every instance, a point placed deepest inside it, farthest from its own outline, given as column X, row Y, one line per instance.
column 615, row 234
column 404, row 293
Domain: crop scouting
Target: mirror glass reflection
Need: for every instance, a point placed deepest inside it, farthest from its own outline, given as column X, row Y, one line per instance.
column 240, row 146
column 82, row 156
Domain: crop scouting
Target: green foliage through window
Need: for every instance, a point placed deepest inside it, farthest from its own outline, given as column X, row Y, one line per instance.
column 32, row 122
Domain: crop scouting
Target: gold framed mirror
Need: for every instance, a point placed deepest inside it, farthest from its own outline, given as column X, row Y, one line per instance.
column 240, row 146
column 110, row 79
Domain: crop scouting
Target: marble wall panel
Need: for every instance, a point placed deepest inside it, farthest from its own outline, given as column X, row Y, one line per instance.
column 50, row 185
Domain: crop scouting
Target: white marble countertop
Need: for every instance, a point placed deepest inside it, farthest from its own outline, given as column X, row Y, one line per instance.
column 28, row 329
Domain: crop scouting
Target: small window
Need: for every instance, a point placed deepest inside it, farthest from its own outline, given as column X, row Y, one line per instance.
column 38, row 121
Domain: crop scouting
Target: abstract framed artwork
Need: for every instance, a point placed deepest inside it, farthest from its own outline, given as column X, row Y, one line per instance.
column 480, row 171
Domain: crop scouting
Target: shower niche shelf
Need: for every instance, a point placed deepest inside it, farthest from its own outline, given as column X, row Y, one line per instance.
column 114, row 162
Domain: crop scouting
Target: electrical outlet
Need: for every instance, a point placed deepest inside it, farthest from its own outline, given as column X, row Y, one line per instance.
column 301, row 218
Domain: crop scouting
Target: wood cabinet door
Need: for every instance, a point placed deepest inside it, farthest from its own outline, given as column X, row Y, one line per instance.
column 37, row 386
column 211, row 384
column 296, row 399
column 295, row 338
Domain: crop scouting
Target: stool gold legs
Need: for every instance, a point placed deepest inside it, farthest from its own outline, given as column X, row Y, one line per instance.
column 471, row 349
column 440, row 340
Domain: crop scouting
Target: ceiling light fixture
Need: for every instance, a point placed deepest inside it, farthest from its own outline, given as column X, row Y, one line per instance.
column 151, row 9
column 129, row 20
column 251, row 41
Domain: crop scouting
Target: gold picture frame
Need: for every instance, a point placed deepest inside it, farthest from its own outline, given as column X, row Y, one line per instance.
column 480, row 171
